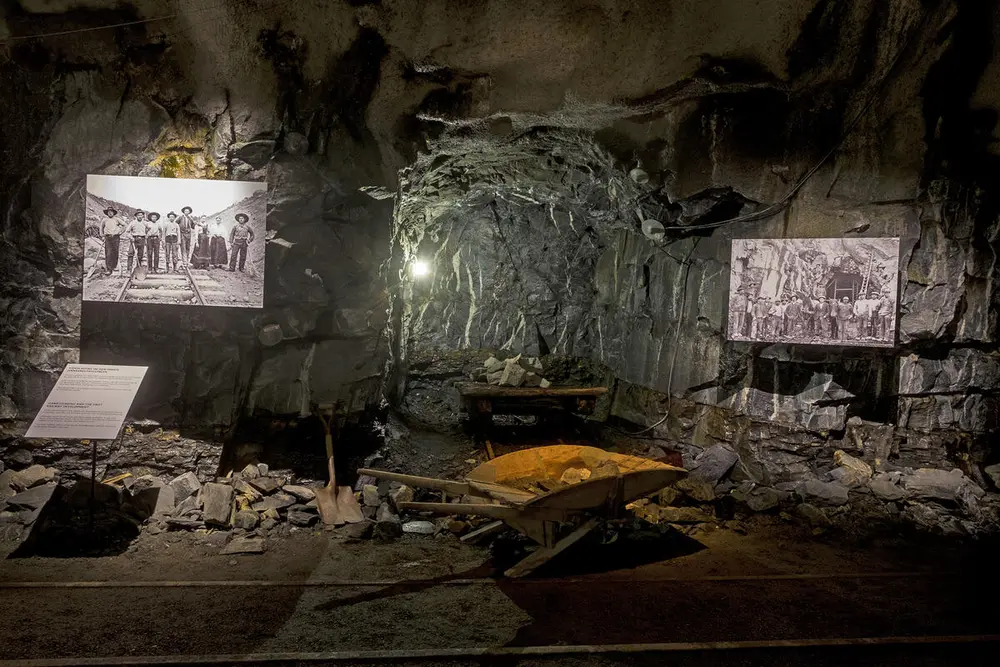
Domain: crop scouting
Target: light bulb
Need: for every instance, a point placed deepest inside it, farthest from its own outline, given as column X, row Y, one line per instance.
column 419, row 269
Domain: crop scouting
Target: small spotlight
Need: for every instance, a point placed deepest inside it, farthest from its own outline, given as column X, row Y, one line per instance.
column 419, row 269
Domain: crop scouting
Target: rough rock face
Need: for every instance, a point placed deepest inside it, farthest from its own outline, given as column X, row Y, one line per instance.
column 538, row 238
column 529, row 146
column 144, row 102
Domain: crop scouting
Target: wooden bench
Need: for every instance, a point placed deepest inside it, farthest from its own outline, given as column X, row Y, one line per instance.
column 481, row 401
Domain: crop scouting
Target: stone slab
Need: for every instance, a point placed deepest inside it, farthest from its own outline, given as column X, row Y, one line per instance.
column 218, row 502
column 33, row 498
column 245, row 545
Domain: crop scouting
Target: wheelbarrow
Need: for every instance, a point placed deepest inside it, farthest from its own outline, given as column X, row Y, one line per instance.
column 554, row 495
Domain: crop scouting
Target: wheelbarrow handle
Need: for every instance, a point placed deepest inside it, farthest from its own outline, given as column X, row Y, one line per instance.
column 417, row 482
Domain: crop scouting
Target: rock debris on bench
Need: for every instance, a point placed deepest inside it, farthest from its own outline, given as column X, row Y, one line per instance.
column 514, row 372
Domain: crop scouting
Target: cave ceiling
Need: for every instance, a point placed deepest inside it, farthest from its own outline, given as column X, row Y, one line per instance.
column 538, row 136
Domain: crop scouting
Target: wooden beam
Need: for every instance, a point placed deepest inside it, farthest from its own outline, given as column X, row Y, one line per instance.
column 495, row 511
column 478, row 389
column 541, row 556
column 481, row 489
column 482, row 532
column 447, row 485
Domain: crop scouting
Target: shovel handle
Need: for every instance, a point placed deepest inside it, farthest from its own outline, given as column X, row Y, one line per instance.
column 329, row 461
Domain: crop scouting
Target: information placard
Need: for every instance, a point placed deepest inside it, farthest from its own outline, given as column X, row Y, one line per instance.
column 88, row 401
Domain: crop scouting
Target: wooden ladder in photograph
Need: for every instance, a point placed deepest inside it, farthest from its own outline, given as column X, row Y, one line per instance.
column 868, row 275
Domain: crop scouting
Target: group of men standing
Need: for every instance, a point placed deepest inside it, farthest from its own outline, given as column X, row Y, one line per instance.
column 762, row 318
column 184, row 241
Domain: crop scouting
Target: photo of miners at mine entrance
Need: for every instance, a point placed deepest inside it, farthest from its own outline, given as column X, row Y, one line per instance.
column 183, row 255
column 814, row 291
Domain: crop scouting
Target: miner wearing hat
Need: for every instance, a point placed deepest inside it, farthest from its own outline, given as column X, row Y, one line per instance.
column 240, row 238
column 187, row 226
column 154, row 232
column 738, row 307
column 886, row 311
column 171, row 237
column 111, row 232
column 821, row 318
column 844, row 312
column 137, row 231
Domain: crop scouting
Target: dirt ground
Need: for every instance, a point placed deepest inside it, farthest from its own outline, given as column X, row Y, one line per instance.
column 325, row 592
column 102, row 287
column 241, row 289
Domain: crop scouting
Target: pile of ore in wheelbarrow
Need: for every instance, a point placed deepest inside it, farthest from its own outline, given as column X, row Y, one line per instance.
column 553, row 495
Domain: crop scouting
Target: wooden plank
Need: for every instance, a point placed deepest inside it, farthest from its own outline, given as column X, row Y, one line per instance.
column 163, row 278
column 588, row 495
column 545, row 554
column 448, row 485
column 482, row 532
column 149, row 295
column 481, row 489
column 500, row 492
column 479, row 389
column 496, row 511
column 156, row 284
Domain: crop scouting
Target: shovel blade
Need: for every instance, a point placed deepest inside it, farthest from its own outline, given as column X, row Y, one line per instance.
column 326, row 500
column 347, row 506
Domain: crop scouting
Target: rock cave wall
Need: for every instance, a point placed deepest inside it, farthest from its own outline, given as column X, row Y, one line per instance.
column 507, row 131
column 534, row 235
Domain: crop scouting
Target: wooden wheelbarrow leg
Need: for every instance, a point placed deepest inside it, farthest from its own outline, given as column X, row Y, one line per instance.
column 543, row 555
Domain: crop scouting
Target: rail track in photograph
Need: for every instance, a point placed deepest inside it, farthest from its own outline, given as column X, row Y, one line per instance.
column 186, row 286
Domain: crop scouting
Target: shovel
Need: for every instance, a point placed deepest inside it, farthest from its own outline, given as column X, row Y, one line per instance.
column 337, row 505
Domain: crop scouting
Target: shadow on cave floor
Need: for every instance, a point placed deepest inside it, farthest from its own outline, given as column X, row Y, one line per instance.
column 70, row 526
column 624, row 546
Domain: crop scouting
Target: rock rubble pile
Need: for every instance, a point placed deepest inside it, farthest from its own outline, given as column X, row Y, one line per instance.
column 943, row 502
column 513, row 372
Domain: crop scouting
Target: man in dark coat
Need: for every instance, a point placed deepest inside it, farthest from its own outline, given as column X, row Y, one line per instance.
column 738, row 307
column 111, row 232
column 758, row 314
column 821, row 318
column 844, row 311
column 240, row 238
column 886, row 311
column 793, row 316
column 187, row 226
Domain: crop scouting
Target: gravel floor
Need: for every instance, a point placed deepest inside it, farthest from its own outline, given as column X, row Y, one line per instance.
column 597, row 596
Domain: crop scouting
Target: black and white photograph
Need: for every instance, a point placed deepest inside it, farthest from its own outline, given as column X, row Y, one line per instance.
column 181, row 241
column 814, row 291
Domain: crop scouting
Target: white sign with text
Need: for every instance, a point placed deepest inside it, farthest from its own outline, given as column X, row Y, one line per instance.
column 88, row 401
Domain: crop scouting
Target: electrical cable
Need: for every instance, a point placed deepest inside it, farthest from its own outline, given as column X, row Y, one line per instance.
column 109, row 26
column 778, row 206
